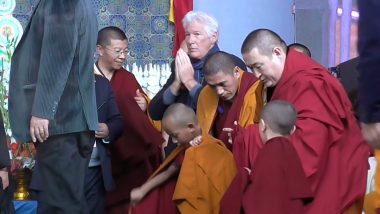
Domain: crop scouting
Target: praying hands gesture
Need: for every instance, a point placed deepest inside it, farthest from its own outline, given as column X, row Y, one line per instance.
column 185, row 69
column 176, row 85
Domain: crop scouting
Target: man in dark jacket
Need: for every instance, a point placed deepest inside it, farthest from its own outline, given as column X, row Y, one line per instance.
column 52, row 98
column 99, row 174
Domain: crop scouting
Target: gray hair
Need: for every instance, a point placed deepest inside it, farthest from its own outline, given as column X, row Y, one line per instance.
column 211, row 25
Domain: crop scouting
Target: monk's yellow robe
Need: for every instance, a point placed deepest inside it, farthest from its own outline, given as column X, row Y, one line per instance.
column 245, row 109
column 206, row 173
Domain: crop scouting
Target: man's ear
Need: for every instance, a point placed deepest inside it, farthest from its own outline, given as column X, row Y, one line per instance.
column 214, row 37
column 99, row 50
column 277, row 51
column 191, row 127
column 236, row 72
column 293, row 130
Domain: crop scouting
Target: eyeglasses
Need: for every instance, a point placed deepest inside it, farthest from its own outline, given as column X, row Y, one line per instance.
column 119, row 52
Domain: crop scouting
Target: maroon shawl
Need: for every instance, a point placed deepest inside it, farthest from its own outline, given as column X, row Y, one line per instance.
column 136, row 154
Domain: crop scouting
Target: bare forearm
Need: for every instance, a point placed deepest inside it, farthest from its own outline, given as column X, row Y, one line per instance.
column 159, row 179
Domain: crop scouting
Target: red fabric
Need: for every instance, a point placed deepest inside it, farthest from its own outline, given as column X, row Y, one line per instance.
column 181, row 7
column 159, row 200
column 231, row 202
column 278, row 184
column 245, row 149
column 328, row 140
column 246, row 146
column 221, row 116
column 135, row 154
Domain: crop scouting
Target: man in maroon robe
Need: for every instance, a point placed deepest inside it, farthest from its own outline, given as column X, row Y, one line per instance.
column 327, row 139
column 136, row 154
column 230, row 96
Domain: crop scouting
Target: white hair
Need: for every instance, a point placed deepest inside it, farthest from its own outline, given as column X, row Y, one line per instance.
column 211, row 25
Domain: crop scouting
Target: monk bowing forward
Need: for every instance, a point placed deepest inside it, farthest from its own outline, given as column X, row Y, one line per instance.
column 203, row 174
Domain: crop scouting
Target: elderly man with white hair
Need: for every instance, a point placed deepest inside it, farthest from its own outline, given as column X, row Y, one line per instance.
column 186, row 80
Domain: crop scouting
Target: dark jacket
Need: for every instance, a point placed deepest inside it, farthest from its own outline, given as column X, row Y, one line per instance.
column 52, row 70
column 108, row 113
column 369, row 61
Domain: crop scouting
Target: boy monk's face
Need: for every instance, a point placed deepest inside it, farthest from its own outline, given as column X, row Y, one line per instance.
column 181, row 134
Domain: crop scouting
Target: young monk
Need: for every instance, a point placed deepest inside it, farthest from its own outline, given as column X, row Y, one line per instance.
column 202, row 175
column 279, row 184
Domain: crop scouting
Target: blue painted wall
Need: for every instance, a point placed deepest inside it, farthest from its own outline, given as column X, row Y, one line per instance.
column 150, row 34
column 145, row 23
column 239, row 17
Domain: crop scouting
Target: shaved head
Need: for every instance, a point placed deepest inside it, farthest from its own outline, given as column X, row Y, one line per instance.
column 300, row 48
column 264, row 40
column 219, row 62
column 106, row 34
column 280, row 116
column 180, row 115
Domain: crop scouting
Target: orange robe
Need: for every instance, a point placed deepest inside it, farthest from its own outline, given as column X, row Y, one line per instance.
column 206, row 173
column 372, row 199
column 245, row 109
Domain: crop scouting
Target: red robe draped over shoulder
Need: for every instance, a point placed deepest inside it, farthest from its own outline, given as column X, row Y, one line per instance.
column 245, row 109
column 136, row 153
column 328, row 139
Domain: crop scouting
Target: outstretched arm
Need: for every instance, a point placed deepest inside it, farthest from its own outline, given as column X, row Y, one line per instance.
column 139, row 193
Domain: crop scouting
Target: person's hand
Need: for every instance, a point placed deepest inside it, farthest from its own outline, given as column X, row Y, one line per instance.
column 177, row 78
column 230, row 131
column 229, row 134
column 185, row 69
column 196, row 141
column 140, row 100
column 371, row 134
column 39, row 129
column 176, row 84
column 137, row 195
column 103, row 131
column 4, row 178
